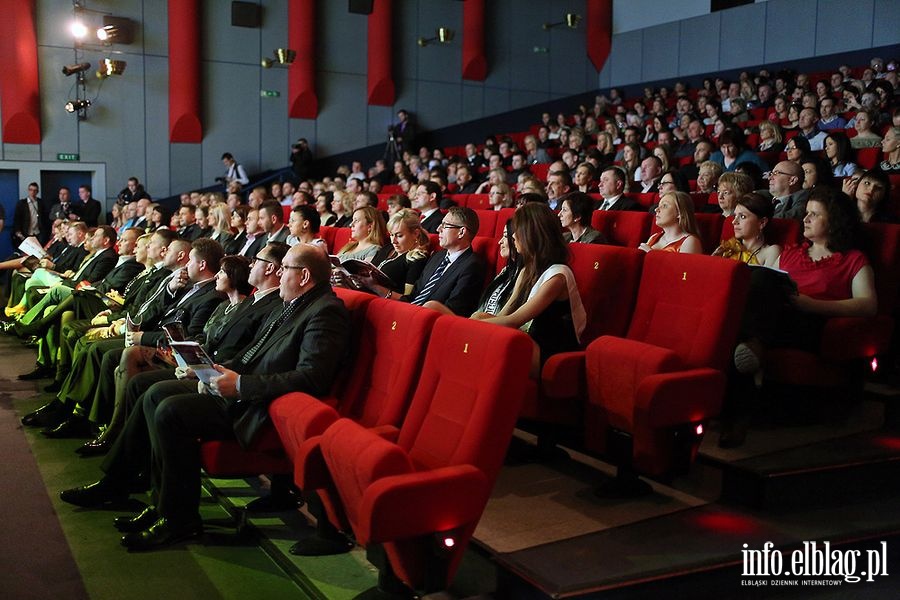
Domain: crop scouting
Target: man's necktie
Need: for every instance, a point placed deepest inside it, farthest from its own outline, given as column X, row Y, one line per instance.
column 285, row 315
column 422, row 297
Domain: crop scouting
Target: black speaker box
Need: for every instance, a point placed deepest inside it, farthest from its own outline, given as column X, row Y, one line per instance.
column 361, row 7
column 246, row 14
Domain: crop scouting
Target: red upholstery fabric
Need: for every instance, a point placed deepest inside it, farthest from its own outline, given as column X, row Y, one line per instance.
column 454, row 438
column 503, row 215
column 184, row 72
column 20, row 93
column 341, row 238
column 624, row 228
column 327, row 233
column 668, row 372
column 868, row 158
column 303, row 100
column 488, row 250
column 487, row 219
column 479, row 202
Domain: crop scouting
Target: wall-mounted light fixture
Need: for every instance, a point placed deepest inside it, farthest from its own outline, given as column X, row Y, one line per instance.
column 571, row 21
column 283, row 57
column 78, row 106
column 443, row 35
column 111, row 67
column 72, row 69
column 116, row 30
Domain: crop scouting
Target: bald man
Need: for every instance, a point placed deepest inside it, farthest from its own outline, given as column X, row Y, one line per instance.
column 786, row 187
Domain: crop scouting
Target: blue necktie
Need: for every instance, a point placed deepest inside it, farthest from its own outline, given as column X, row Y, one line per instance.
column 422, row 297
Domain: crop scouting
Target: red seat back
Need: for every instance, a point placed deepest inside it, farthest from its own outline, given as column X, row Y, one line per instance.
column 479, row 201
column 607, row 279
column 685, row 304
column 503, row 215
column 341, row 238
column 327, row 233
column 487, row 222
column 867, row 158
column 488, row 250
column 624, row 228
column 884, row 244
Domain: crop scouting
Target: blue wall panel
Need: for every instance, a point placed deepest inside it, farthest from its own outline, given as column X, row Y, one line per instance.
column 886, row 23
column 472, row 102
column 698, row 50
column 495, row 100
column 625, row 58
column 184, row 167
column 660, row 54
column 743, row 36
column 443, row 102
column 342, row 113
column 231, row 117
column 790, row 30
column 840, row 25
column 155, row 134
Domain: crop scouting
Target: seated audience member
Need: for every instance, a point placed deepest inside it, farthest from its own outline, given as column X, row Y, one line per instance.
column 303, row 225
column 675, row 216
column 808, row 129
column 708, row 176
column 732, row 151
column 495, row 176
column 465, row 180
column 159, row 218
column 396, row 203
column 271, row 220
column 427, row 200
column 648, row 178
column 530, row 185
column 787, row 189
column 544, row 301
column 342, row 206
column 606, row 148
column 797, row 149
column 870, row 194
column 769, row 137
column 237, row 223
column 218, row 222
column 816, row 172
column 301, row 348
column 732, row 186
column 830, row 277
column 187, row 223
column 702, row 152
column 575, row 217
column 666, row 157
column 368, row 236
column 559, row 183
column 865, row 137
column 612, row 187
column 202, row 222
column 584, row 178
column 498, row 292
column 752, row 213
column 631, row 163
column 830, row 119
column 673, row 181
column 890, row 147
column 501, row 196
column 839, row 154
column 408, row 256
column 323, row 207
column 452, row 277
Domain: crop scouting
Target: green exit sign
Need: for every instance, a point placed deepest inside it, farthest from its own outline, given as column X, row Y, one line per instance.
column 68, row 157
column 269, row 93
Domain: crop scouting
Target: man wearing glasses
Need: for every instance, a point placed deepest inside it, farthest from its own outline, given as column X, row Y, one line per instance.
column 454, row 276
column 786, row 187
column 300, row 348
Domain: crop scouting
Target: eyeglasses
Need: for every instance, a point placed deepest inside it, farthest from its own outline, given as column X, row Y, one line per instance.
column 259, row 258
column 295, row 267
column 666, row 182
column 450, row 226
column 770, row 174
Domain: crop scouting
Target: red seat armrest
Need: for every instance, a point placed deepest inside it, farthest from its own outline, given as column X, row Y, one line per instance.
column 563, row 376
column 850, row 338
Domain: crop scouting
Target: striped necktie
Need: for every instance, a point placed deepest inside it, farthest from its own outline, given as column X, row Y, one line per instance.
column 285, row 315
column 422, row 297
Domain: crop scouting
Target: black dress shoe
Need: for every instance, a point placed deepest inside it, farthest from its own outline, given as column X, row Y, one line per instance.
column 93, row 494
column 73, row 427
column 53, row 387
column 134, row 524
column 96, row 447
column 38, row 373
column 49, row 414
column 161, row 534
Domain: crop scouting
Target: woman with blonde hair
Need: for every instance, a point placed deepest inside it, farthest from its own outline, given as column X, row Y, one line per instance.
column 410, row 248
column 500, row 196
column 218, row 221
column 368, row 235
column 769, row 137
column 708, row 175
column 342, row 207
column 675, row 216
column 732, row 186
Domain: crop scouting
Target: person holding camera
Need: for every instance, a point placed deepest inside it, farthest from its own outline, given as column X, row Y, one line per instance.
column 301, row 159
column 233, row 171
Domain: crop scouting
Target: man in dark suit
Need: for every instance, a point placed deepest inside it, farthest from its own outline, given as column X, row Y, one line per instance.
column 88, row 209
column 188, row 228
column 454, row 276
column 300, row 349
column 612, row 186
column 427, row 201
column 30, row 217
column 190, row 300
column 404, row 133
column 271, row 219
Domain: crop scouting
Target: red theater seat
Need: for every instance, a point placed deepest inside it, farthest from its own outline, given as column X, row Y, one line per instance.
column 487, row 222
column 868, row 158
column 479, row 202
column 327, row 233
column 488, row 250
column 624, row 228
column 341, row 238
column 648, row 391
column 607, row 279
column 503, row 215
column 432, row 484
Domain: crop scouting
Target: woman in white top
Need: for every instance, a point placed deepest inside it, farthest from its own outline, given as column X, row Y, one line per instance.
column 368, row 235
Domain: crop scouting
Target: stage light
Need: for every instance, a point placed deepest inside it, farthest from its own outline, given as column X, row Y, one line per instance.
column 78, row 29
column 443, row 35
column 284, row 57
column 116, row 30
column 874, row 364
column 75, row 68
column 571, row 21
column 77, row 105
column 111, row 67
column 108, row 33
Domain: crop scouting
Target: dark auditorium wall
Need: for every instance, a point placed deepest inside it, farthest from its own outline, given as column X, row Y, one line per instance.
column 127, row 129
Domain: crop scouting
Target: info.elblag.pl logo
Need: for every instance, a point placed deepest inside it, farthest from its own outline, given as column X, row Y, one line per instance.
column 814, row 564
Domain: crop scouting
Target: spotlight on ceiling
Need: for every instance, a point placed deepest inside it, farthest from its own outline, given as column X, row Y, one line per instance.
column 571, row 21
column 283, row 57
column 111, row 67
column 116, row 30
column 443, row 35
column 75, row 68
column 78, row 30
column 77, row 105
